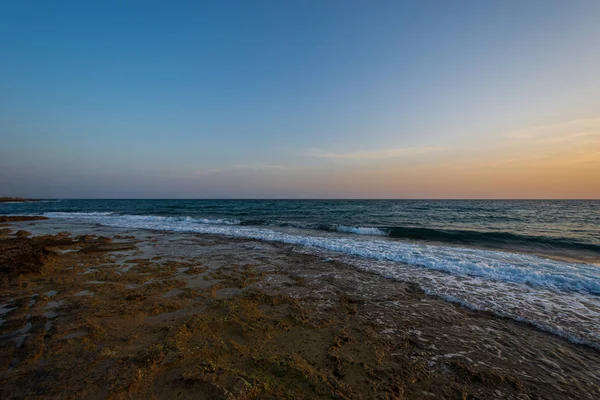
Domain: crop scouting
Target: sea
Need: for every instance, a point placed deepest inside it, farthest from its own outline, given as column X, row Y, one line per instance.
column 533, row 261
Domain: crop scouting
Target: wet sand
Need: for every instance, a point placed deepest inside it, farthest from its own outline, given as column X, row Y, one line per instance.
column 130, row 314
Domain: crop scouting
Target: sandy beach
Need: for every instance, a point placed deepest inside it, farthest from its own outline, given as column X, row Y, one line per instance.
column 96, row 312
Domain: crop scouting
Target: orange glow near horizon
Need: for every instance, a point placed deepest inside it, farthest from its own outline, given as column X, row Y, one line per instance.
column 554, row 161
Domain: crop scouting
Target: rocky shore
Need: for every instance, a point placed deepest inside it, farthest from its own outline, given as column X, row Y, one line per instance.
column 93, row 312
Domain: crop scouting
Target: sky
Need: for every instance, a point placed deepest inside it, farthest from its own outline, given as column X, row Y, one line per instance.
column 300, row 99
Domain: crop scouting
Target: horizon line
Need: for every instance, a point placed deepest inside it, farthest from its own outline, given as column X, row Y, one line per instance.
column 309, row 199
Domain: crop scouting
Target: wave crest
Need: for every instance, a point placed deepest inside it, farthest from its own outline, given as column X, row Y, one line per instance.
column 361, row 230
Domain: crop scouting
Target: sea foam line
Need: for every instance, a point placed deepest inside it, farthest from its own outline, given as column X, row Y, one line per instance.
column 149, row 218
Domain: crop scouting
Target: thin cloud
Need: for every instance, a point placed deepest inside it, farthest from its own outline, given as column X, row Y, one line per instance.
column 558, row 133
column 376, row 154
column 243, row 167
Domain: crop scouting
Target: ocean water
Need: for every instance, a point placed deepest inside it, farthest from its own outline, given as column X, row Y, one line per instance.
column 533, row 261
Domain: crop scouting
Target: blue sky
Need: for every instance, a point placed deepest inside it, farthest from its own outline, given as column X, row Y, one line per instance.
column 300, row 99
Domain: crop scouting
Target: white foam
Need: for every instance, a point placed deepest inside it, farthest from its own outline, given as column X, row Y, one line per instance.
column 147, row 218
column 219, row 221
column 360, row 230
column 76, row 214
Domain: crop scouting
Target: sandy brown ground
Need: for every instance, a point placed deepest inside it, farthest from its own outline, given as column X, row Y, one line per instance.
column 143, row 315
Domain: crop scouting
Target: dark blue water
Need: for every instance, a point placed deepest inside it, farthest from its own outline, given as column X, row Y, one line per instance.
column 534, row 261
column 570, row 226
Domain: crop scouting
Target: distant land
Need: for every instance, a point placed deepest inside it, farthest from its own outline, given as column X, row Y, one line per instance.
column 16, row 199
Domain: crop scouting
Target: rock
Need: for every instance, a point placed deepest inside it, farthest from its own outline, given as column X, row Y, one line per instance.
column 19, row 218
column 4, row 232
column 107, row 247
column 239, row 386
column 124, row 237
column 20, row 256
column 22, row 234
column 93, row 239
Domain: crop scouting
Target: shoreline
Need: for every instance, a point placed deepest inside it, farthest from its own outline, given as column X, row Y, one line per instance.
column 570, row 330
column 571, row 256
column 482, row 227
column 505, row 299
column 300, row 323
